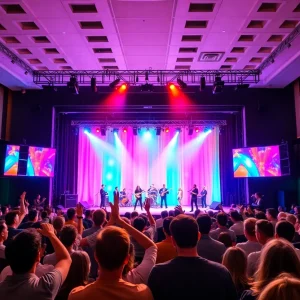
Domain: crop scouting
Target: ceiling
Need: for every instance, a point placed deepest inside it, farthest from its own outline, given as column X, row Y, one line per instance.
column 157, row 34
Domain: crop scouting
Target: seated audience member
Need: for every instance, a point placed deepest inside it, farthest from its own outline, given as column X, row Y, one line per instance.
column 238, row 225
column 225, row 239
column 264, row 232
column 159, row 222
column 235, row 260
column 252, row 245
column 67, row 237
column 278, row 256
column 32, row 218
column 189, row 275
column 207, row 247
column 284, row 287
column 111, row 260
column 281, row 216
column 58, row 224
column 78, row 274
column 3, row 238
column 271, row 215
column 99, row 217
column 23, row 255
column 221, row 222
column 260, row 215
column 87, row 221
column 165, row 248
column 71, row 213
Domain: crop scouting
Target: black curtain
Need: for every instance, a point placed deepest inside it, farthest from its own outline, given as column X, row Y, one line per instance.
column 66, row 144
column 231, row 136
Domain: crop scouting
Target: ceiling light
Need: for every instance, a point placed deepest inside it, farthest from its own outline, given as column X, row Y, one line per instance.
column 115, row 130
column 197, row 130
column 146, row 76
column 167, row 130
column 181, row 83
column 93, row 84
column 202, row 83
column 158, row 130
column 218, row 85
column 113, row 84
column 125, row 130
column 137, row 79
column 171, row 86
column 97, row 130
column 73, row 85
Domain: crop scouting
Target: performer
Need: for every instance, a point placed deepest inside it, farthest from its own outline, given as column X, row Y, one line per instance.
column 163, row 196
column 138, row 197
column 123, row 197
column 194, row 193
column 258, row 201
column 38, row 203
column 103, row 195
column 179, row 195
column 116, row 192
column 203, row 196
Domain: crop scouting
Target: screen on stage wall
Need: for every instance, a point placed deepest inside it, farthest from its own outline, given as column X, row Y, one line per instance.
column 11, row 160
column 41, row 162
column 257, row 162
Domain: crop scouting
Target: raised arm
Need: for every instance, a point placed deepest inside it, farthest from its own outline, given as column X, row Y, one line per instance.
column 62, row 255
column 147, row 208
column 22, row 208
column 79, row 214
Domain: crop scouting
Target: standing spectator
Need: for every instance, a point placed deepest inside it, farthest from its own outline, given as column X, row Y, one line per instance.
column 3, row 237
column 271, row 215
column 292, row 219
column 221, row 222
column 58, row 224
column 188, row 274
column 207, row 247
column 252, row 245
column 264, row 231
column 99, row 217
column 71, row 213
column 87, row 221
column 32, row 218
column 23, row 255
column 281, row 216
column 225, row 239
column 4, row 211
column 238, row 225
column 166, row 249
column 235, row 260
column 159, row 222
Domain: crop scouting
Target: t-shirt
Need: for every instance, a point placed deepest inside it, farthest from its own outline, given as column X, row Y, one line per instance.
column 249, row 247
column 92, row 239
column 29, row 286
column 90, row 231
column 165, row 251
column 111, row 290
column 215, row 233
column 50, row 259
column 238, row 228
column 187, row 277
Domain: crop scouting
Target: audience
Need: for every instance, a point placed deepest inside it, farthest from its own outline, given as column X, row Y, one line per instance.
column 235, row 260
column 207, row 247
column 32, row 218
column 281, row 216
column 71, row 213
column 98, row 219
column 221, row 222
column 271, row 215
column 252, row 245
column 238, row 225
column 3, row 238
column 58, row 224
column 165, row 249
column 159, row 222
column 198, row 276
column 225, row 239
column 87, row 221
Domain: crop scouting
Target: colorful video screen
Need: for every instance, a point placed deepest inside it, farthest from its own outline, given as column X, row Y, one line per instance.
column 257, row 162
column 41, row 162
column 11, row 160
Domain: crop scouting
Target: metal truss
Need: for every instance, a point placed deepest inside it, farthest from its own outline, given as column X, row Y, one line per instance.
column 136, row 77
column 148, row 123
column 15, row 59
column 281, row 47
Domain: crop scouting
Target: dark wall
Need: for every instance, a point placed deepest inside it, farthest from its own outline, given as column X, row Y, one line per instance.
column 270, row 117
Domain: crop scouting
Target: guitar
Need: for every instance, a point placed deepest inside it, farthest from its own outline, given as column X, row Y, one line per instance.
column 138, row 195
column 163, row 193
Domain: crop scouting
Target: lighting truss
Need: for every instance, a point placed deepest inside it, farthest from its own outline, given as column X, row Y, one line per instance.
column 149, row 124
column 105, row 77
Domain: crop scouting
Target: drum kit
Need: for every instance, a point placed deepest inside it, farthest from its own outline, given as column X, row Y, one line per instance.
column 128, row 199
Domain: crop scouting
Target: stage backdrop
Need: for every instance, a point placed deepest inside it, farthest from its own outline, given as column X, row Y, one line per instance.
column 125, row 160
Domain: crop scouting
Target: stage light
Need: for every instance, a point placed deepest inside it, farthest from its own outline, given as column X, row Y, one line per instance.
column 171, row 86
column 93, row 84
column 218, row 85
column 181, row 83
column 87, row 130
column 135, row 131
column 202, row 83
column 158, row 130
column 146, row 76
column 103, row 131
column 191, row 129
column 137, row 79
column 197, row 130
column 123, row 87
column 207, row 130
column 147, row 87
column 113, row 84
column 115, row 130
column 178, row 129
column 158, row 79
column 147, row 134
column 73, row 85
column 97, row 130
column 125, row 130
column 167, row 130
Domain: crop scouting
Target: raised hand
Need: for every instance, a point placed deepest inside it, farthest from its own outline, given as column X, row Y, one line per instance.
column 46, row 230
column 79, row 210
column 147, row 204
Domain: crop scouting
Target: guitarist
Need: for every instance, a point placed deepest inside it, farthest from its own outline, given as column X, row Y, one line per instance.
column 194, row 193
column 138, row 197
column 163, row 196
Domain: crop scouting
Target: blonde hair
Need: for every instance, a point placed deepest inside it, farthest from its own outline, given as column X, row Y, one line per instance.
column 235, row 260
column 277, row 256
column 285, row 287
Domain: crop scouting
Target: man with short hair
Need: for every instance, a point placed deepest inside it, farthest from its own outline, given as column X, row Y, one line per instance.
column 252, row 245
column 71, row 213
column 188, row 274
column 165, row 249
column 264, row 231
column 207, row 247
column 23, row 255
column 221, row 222
column 271, row 215
column 87, row 221
column 32, row 218
column 159, row 222
column 111, row 261
column 238, row 224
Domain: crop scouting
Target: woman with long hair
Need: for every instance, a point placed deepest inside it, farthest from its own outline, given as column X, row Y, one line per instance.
column 278, row 256
column 235, row 260
column 77, row 276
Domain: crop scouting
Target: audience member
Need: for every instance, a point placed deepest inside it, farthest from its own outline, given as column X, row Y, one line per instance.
column 4, row 211
column 134, row 215
column 277, row 256
column 292, row 219
column 207, row 247
column 71, row 213
column 264, row 231
column 260, row 215
column 3, row 238
column 225, row 239
column 281, row 216
column 221, row 222
column 238, row 225
column 284, row 287
column 87, row 221
column 171, row 213
column 58, row 224
column 271, row 215
column 235, row 260
column 163, row 215
column 99, row 217
column 197, row 213
column 23, row 255
column 196, row 273
column 252, row 245
column 165, row 249
column 127, row 215
column 32, row 218
column 78, row 274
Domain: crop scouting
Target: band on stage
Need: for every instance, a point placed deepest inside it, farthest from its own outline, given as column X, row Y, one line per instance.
column 153, row 193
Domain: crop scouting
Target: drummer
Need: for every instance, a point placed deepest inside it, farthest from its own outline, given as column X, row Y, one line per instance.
column 123, row 193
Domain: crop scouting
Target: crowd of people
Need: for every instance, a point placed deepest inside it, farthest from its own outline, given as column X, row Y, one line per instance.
column 238, row 254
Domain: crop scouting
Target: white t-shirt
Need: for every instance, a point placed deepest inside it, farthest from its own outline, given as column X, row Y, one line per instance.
column 238, row 228
column 249, row 247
